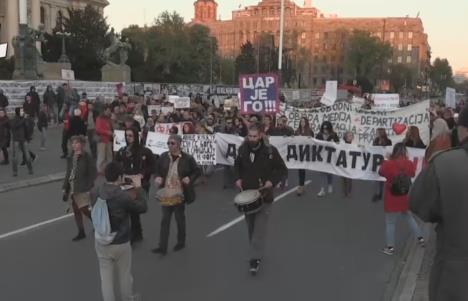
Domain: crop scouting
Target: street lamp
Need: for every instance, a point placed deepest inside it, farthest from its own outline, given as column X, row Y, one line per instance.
column 280, row 55
column 63, row 57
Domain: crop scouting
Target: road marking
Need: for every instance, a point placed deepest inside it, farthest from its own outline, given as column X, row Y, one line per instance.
column 22, row 230
column 241, row 218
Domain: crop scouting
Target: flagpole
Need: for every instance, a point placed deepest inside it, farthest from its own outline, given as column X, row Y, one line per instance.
column 280, row 55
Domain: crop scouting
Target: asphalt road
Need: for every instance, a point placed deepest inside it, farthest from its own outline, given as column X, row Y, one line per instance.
column 323, row 249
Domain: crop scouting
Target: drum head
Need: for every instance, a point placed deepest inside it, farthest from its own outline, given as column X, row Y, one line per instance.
column 247, row 197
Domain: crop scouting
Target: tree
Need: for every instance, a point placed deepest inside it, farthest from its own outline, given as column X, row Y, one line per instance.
column 366, row 56
column 441, row 75
column 227, row 71
column 401, row 77
column 7, row 66
column 89, row 37
column 245, row 61
column 137, row 54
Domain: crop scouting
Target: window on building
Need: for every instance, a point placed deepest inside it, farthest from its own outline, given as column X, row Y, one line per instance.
column 304, row 36
column 410, row 35
column 325, row 35
column 317, row 35
column 408, row 59
column 390, row 61
column 392, row 35
column 400, row 47
column 379, row 35
column 43, row 17
column 401, row 35
column 410, row 47
column 400, row 59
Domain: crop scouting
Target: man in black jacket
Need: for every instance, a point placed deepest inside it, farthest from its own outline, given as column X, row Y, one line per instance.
column 176, row 173
column 138, row 161
column 3, row 100
column 19, row 133
column 118, row 254
column 258, row 166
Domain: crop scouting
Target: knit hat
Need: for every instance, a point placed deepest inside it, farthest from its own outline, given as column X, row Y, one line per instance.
column 463, row 117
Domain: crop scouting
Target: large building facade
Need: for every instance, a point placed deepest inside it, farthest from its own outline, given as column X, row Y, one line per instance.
column 323, row 37
column 40, row 12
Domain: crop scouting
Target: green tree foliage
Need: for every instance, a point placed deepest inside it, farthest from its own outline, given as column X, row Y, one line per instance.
column 89, row 37
column 400, row 77
column 441, row 75
column 171, row 51
column 7, row 66
column 245, row 61
column 366, row 56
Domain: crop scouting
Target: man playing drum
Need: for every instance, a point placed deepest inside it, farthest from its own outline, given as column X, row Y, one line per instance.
column 258, row 166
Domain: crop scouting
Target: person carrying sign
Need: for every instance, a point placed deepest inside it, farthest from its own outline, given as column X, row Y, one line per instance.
column 258, row 166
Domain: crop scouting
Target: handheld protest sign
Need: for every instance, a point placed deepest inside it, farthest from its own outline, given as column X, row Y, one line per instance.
column 259, row 93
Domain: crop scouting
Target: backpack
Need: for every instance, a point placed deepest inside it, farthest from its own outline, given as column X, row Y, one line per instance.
column 401, row 184
column 102, row 228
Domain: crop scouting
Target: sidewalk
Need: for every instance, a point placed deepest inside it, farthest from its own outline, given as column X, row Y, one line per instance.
column 48, row 166
column 421, row 292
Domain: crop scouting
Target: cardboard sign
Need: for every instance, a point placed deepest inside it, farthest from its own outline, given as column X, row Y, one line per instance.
column 157, row 142
column 172, row 98
column 259, row 94
column 331, row 93
column 182, row 103
column 386, row 102
column 451, row 98
column 68, row 74
column 3, row 50
column 119, row 140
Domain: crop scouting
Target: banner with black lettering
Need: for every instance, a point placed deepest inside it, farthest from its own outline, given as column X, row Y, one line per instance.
column 201, row 147
column 364, row 123
column 347, row 160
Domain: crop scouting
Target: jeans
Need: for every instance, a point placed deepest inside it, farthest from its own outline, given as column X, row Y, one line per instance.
column 302, row 174
column 179, row 212
column 24, row 148
column 119, row 257
column 391, row 218
column 43, row 132
column 104, row 155
column 257, row 226
column 327, row 179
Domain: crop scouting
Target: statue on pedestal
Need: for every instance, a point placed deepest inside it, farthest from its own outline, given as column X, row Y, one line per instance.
column 115, row 56
column 27, row 57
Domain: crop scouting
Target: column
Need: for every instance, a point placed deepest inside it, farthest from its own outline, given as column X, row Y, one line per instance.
column 36, row 18
column 11, row 22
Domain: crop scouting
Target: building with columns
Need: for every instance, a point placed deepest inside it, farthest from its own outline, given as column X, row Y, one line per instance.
column 323, row 37
column 40, row 12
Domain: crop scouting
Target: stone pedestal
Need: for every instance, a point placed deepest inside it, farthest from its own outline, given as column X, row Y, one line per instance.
column 116, row 73
column 52, row 71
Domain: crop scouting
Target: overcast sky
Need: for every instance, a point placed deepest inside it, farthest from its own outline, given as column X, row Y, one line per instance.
column 446, row 22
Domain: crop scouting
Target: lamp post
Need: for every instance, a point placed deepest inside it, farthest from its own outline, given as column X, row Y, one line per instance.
column 63, row 57
column 280, row 55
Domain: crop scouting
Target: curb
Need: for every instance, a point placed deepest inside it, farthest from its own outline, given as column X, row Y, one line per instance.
column 32, row 182
column 402, row 283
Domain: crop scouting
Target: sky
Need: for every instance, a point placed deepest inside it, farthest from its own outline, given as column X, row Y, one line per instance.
column 446, row 22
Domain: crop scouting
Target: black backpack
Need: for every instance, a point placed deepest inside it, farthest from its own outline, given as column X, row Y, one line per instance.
column 401, row 184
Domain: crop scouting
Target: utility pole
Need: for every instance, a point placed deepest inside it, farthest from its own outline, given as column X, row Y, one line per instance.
column 280, row 55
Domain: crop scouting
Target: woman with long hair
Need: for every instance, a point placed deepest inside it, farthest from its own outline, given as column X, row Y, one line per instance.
column 327, row 134
column 381, row 139
column 303, row 130
column 413, row 139
column 396, row 169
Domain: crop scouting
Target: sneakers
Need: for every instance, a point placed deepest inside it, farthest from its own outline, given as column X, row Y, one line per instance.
column 321, row 193
column 159, row 251
column 421, row 242
column 81, row 235
column 389, row 250
column 300, row 190
column 254, row 266
column 179, row 247
column 330, row 189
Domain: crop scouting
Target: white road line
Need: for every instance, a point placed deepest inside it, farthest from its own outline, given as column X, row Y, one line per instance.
column 241, row 218
column 22, row 230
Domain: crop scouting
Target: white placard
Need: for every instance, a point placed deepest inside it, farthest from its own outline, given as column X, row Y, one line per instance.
column 331, row 93
column 386, row 102
column 68, row 74
column 119, row 140
column 156, row 108
column 182, row 103
column 451, row 98
column 167, row 110
column 3, row 50
column 164, row 128
column 157, row 142
column 172, row 98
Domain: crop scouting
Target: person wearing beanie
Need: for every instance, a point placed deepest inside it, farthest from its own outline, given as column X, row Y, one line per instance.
column 439, row 196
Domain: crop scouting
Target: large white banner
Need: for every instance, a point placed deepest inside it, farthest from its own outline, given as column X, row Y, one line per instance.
column 364, row 123
column 347, row 160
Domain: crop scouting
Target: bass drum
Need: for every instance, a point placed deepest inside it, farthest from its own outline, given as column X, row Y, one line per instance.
column 249, row 201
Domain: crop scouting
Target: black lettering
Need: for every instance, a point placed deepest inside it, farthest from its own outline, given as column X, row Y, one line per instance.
column 377, row 161
column 341, row 161
column 304, row 151
column 330, row 151
column 316, row 153
column 292, row 153
column 354, row 155
column 366, row 157
column 231, row 151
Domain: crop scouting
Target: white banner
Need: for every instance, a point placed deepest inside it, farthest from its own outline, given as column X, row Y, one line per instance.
column 386, row 102
column 157, row 142
column 331, row 93
column 119, row 140
column 201, row 147
column 364, row 123
column 345, row 160
column 182, row 103
column 451, row 98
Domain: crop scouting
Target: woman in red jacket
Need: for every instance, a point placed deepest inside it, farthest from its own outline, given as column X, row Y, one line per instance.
column 397, row 206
